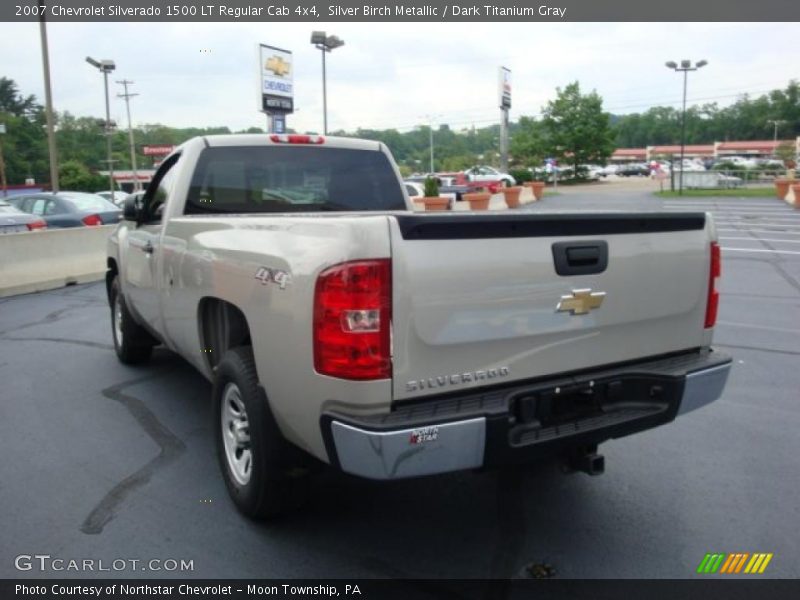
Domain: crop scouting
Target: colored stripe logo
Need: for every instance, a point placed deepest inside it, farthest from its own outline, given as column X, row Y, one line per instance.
column 734, row 563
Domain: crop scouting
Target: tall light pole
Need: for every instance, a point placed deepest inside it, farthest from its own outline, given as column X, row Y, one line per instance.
column 136, row 185
column 430, row 119
column 106, row 66
column 325, row 43
column 775, row 122
column 685, row 67
column 48, row 101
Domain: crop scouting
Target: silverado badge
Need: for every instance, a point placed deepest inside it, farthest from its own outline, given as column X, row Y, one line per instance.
column 580, row 302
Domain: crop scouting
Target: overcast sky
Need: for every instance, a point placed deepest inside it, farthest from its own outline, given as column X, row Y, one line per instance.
column 392, row 74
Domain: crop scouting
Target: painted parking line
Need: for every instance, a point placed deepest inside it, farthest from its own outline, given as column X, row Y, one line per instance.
column 727, row 249
column 754, row 326
column 746, row 230
column 759, row 224
column 760, row 240
column 766, row 206
column 755, row 218
column 736, row 212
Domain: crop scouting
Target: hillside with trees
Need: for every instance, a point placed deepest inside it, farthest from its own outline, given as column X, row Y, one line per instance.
column 573, row 127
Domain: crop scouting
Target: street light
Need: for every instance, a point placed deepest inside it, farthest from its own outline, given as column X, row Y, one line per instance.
column 775, row 122
column 430, row 119
column 325, row 43
column 685, row 67
column 106, row 66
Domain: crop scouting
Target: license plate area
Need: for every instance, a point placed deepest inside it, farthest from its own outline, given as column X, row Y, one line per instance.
column 579, row 407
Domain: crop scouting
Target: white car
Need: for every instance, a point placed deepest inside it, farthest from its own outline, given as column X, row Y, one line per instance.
column 485, row 173
column 116, row 197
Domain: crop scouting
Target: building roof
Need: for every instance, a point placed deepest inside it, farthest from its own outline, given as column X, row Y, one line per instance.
column 619, row 152
column 755, row 145
column 690, row 149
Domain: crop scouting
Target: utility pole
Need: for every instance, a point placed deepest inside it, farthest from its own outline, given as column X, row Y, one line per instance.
column 48, row 102
column 3, row 162
column 775, row 122
column 125, row 82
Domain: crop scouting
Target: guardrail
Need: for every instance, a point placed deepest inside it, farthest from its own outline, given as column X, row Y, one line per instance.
column 45, row 260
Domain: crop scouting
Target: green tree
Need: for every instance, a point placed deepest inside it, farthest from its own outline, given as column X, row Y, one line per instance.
column 578, row 131
column 74, row 175
column 24, row 143
column 528, row 143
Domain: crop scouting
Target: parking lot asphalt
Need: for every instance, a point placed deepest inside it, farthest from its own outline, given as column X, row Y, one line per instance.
column 105, row 461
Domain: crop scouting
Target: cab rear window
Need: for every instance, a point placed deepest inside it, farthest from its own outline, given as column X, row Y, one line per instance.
column 278, row 179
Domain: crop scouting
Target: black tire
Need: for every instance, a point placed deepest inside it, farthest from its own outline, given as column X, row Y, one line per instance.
column 272, row 486
column 136, row 345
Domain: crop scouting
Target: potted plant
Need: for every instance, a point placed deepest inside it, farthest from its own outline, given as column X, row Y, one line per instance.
column 785, row 152
column 478, row 200
column 536, row 185
column 511, row 195
column 431, row 199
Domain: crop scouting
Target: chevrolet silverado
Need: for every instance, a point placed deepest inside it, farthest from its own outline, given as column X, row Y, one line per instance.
column 337, row 325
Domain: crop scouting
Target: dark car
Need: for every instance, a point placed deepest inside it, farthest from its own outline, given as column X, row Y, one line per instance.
column 69, row 209
column 13, row 220
column 635, row 170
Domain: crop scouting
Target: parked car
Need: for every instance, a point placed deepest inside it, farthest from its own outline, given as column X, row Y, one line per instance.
column 69, row 209
column 116, row 197
column 633, row 170
column 608, row 170
column 13, row 220
column 335, row 322
column 487, row 174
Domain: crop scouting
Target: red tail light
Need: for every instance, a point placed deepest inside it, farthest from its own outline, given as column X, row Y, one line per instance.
column 40, row 224
column 714, row 272
column 294, row 138
column 92, row 220
column 352, row 318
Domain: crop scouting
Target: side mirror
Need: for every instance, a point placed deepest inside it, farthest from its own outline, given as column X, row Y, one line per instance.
column 131, row 208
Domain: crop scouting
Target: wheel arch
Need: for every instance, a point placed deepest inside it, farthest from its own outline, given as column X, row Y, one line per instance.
column 111, row 272
column 222, row 325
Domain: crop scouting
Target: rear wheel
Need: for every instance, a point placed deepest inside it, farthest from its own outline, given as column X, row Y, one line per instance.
column 132, row 343
column 256, row 461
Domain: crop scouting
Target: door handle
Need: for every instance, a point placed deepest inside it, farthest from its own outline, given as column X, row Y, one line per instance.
column 148, row 247
column 580, row 257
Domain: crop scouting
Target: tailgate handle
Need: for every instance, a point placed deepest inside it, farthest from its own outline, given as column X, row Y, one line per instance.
column 585, row 255
column 580, row 257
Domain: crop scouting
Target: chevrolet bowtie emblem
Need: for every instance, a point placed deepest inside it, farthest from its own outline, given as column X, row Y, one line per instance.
column 580, row 302
column 277, row 65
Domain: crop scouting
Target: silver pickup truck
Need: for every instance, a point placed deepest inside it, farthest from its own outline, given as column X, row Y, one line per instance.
column 338, row 325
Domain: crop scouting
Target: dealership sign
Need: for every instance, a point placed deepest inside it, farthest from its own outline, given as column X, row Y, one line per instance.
column 159, row 150
column 504, row 87
column 276, row 75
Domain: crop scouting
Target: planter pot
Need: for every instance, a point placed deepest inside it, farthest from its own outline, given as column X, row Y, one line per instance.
column 782, row 187
column 478, row 200
column 511, row 195
column 434, row 202
column 796, row 192
column 538, row 189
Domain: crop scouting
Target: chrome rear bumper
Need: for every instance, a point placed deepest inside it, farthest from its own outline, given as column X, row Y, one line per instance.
column 486, row 428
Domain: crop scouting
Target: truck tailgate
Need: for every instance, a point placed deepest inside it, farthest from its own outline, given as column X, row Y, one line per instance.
column 477, row 299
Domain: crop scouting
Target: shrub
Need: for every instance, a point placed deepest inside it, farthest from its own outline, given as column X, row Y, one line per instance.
column 521, row 175
column 431, row 187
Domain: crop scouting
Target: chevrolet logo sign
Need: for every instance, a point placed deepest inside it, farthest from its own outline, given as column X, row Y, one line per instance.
column 278, row 66
column 580, row 302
